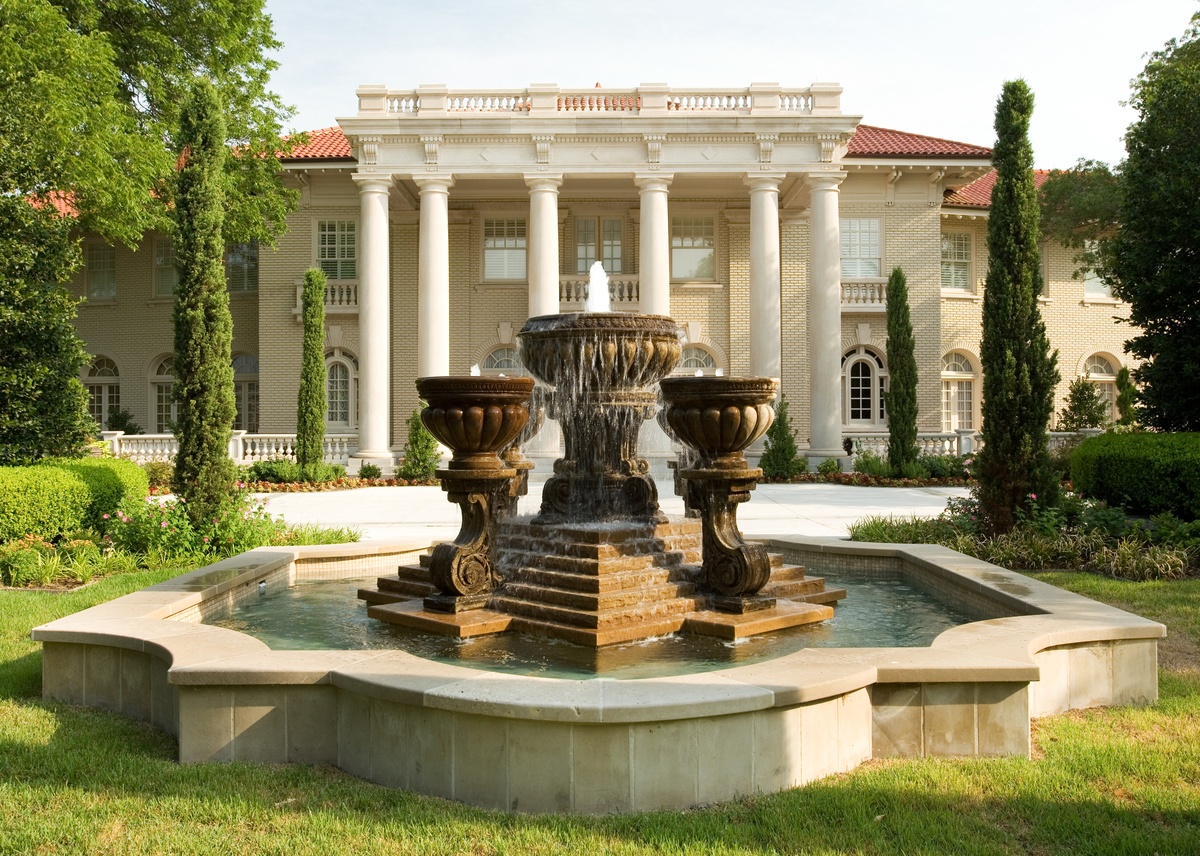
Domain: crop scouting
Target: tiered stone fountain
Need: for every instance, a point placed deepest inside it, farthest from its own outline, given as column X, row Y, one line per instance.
column 600, row 564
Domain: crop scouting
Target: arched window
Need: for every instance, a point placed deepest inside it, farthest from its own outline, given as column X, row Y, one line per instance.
column 864, row 382
column 166, row 410
column 502, row 360
column 958, row 392
column 341, row 390
column 1099, row 370
column 245, row 390
column 104, row 390
column 696, row 359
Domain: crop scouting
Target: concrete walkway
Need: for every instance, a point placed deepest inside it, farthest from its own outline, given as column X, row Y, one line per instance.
column 793, row 509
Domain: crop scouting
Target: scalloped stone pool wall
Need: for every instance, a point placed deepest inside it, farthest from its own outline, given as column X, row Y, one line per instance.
column 600, row 745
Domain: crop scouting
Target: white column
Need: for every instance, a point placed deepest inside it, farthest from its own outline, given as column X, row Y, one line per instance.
column 766, row 311
column 374, row 316
column 825, row 316
column 433, row 276
column 654, row 271
column 543, row 243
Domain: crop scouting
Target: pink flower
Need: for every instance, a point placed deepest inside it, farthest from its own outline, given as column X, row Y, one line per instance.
column 1033, row 496
column 163, row 524
column 106, row 517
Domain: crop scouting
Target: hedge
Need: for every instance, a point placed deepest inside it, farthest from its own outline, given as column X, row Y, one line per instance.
column 42, row 501
column 109, row 480
column 1144, row 472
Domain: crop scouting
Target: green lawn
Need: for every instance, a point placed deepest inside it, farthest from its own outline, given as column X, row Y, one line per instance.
column 1122, row 780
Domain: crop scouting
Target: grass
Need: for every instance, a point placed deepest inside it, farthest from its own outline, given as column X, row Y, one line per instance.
column 1121, row 780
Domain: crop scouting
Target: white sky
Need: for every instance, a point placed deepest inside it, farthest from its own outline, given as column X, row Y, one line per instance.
column 921, row 66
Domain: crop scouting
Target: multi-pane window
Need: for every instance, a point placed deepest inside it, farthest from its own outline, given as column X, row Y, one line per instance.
column 1093, row 285
column 245, row 390
column 1100, row 372
column 104, row 390
column 958, row 392
column 504, row 244
column 166, row 410
column 166, row 276
column 341, row 390
column 860, row 247
column 241, row 266
column 502, row 359
column 865, row 384
column 956, row 260
column 697, row 360
column 598, row 239
column 694, row 248
column 101, row 264
column 337, row 249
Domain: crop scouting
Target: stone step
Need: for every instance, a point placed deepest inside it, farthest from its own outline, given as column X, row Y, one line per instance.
column 597, row 638
column 590, row 567
column 603, row 619
column 826, row 596
column 594, row 584
column 613, row 533
column 589, row 550
column 405, row 587
column 376, row 596
column 632, row 598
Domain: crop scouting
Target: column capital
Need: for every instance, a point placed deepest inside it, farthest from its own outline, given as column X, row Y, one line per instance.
column 435, row 182
column 824, row 180
column 763, row 181
column 653, row 180
column 371, row 182
column 541, row 181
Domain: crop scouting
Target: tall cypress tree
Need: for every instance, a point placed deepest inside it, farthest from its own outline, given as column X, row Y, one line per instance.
column 902, row 367
column 1019, row 370
column 203, row 325
column 310, row 405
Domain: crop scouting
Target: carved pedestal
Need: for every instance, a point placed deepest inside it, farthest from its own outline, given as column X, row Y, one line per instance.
column 463, row 570
column 733, row 571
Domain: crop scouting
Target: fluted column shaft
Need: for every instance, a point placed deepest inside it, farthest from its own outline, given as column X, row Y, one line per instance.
column 433, row 276
column 543, row 243
column 825, row 316
column 766, row 311
column 654, row 272
column 374, row 315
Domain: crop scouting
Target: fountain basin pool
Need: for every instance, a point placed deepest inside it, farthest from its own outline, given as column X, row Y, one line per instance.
column 531, row 743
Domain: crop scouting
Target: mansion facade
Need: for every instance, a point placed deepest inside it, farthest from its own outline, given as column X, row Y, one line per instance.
column 763, row 219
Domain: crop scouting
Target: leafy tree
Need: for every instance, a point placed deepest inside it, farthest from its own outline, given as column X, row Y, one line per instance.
column 780, row 459
column 1154, row 257
column 1079, row 211
column 1086, row 407
column 421, row 454
column 902, row 364
column 1126, row 397
column 203, row 326
column 310, row 406
column 1019, row 371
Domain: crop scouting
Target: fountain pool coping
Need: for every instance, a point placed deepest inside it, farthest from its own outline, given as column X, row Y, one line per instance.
column 599, row 745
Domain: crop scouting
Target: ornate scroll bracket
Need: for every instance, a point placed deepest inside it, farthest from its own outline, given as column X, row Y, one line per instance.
column 733, row 571
column 464, row 571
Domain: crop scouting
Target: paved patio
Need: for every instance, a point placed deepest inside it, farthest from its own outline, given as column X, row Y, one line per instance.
column 775, row 509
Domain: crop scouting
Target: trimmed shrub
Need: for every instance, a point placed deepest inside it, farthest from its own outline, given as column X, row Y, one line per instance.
column 42, row 501
column 829, row 466
column 369, row 471
column 1145, row 473
column 283, row 471
column 421, row 454
column 872, row 464
column 159, row 473
column 109, row 481
column 780, row 458
column 944, row 466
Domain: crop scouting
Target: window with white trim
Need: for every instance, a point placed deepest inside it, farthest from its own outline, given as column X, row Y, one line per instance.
column 337, row 248
column 860, row 247
column 696, row 360
column 956, row 260
column 166, row 409
column 241, row 267
column 166, row 275
column 864, row 388
column 341, row 390
column 958, row 392
column 1093, row 285
column 104, row 390
column 694, row 248
column 1100, row 372
column 504, row 245
column 245, row 391
column 599, row 239
column 101, row 270
column 501, row 360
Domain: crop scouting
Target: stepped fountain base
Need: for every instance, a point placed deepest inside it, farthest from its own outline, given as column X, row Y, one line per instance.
column 599, row 585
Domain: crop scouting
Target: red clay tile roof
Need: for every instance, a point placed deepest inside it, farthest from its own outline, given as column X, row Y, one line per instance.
column 872, row 142
column 323, row 144
column 978, row 194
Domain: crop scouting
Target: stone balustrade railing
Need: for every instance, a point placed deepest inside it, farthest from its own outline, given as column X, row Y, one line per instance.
column 243, row 448
column 864, row 295
column 339, row 297
column 624, row 291
column 543, row 100
column 944, row 443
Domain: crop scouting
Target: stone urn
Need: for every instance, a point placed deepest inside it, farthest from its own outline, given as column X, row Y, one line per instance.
column 476, row 417
column 718, row 418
